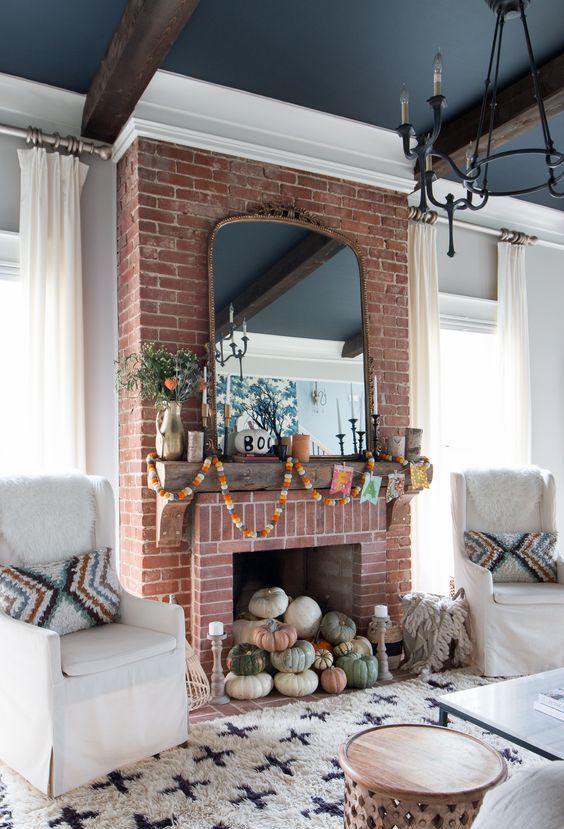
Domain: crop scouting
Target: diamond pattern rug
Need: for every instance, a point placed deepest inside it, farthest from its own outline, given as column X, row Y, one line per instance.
column 275, row 769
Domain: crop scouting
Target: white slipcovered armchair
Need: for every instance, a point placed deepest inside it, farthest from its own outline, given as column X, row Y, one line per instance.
column 518, row 628
column 75, row 707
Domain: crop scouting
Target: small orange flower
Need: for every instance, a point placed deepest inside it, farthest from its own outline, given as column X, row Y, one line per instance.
column 171, row 383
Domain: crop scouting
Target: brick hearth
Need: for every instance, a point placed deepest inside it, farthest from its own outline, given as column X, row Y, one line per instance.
column 170, row 198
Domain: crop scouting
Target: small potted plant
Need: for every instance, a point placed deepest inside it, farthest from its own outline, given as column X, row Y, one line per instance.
column 168, row 380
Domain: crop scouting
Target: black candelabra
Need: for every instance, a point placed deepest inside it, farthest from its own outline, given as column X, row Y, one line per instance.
column 341, row 438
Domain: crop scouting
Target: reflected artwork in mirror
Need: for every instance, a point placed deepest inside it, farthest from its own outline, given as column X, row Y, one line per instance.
column 288, row 344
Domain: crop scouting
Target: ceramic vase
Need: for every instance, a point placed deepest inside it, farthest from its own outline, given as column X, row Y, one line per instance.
column 170, row 440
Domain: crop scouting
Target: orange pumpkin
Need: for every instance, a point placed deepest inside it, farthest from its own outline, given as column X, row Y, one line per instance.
column 323, row 645
column 275, row 636
column 333, row 680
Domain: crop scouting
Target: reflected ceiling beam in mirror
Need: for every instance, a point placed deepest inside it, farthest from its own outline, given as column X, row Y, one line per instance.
column 288, row 271
column 516, row 112
column 353, row 346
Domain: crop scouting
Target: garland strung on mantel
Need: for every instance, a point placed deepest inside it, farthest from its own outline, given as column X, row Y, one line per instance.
column 290, row 464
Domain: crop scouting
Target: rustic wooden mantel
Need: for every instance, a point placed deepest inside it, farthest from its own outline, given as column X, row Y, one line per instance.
column 261, row 475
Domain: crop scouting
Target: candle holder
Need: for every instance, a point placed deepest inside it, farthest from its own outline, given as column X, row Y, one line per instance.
column 376, row 434
column 380, row 623
column 360, row 441
column 218, row 695
column 226, row 419
column 205, row 413
column 353, row 421
column 341, row 438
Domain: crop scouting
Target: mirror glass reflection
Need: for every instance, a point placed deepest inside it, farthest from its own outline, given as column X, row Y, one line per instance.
column 287, row 299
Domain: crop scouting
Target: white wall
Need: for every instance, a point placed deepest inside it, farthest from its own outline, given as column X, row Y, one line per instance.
column 473, row 272
column 100, row 296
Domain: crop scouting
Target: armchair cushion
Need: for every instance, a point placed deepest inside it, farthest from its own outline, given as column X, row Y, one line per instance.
column 65, row 596
column 529, row 594
column 514, row 557
column 110, row 646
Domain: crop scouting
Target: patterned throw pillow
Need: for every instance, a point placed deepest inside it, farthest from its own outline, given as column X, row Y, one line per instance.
column 513, row 557
column 65, row 596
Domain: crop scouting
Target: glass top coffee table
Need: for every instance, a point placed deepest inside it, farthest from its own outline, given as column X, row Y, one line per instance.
column 506, row 708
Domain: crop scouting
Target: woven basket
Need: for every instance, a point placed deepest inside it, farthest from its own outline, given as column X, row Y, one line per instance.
column 393, row 640
column 196, row 680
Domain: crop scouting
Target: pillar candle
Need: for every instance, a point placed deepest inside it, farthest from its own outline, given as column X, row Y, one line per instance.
column 381, row 611
column 215, row 628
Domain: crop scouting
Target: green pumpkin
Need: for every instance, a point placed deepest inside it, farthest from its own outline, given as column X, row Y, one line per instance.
column 361, row 671
column 337, row 628
column 246, row 660
column 294, row 660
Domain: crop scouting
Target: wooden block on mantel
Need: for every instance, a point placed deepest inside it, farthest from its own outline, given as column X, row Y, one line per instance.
column 246, row 477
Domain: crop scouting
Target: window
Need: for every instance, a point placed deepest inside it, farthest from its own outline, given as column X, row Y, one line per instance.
column 469, row 391
column 12, row 373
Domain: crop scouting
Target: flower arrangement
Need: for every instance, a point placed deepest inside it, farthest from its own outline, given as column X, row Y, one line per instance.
column 157, row 374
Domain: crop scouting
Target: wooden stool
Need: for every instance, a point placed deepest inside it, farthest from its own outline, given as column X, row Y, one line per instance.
column 417, row 776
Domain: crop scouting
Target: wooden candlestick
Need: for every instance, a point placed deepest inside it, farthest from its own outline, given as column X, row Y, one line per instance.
column 218, row 695
column 383, row 669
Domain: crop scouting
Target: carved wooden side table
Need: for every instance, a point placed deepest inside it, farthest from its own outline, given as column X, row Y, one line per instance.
column 417, row 776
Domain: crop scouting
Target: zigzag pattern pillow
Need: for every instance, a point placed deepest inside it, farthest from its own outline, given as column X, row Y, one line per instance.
column 528, row 557
column 65, row 596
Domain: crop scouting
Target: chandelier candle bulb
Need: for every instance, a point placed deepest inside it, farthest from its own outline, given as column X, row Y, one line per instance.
column 380, row 611
column 244, row 326
column 437, row 73
column 404, row 101
column 215, row 629
column 230, row 312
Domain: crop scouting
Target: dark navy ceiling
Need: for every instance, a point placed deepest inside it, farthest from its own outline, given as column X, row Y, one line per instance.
column 325, row 305
column 349, row 58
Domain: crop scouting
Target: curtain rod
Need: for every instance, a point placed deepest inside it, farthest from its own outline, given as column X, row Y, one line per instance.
column 414, row 215
column 71, row 143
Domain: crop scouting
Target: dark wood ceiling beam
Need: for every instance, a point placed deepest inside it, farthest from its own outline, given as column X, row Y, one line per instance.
column 516, row 113
column 353, row 346
column 144, row 35
column 284, row 274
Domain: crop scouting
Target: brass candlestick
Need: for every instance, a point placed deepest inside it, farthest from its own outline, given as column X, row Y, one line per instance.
column 205, row 413
column 218, row 695
column 383, row 669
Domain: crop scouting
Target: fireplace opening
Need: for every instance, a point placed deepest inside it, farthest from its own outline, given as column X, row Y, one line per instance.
column 324, row 573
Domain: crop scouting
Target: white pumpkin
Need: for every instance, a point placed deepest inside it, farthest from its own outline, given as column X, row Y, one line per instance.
column 269, row 602
column 248, row 687
column 362, row 646
column 253, row 442
column 305, row 615
column 243, row 630
column 296, row 685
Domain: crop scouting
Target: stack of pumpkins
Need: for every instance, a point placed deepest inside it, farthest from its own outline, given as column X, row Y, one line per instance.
column 289, row 639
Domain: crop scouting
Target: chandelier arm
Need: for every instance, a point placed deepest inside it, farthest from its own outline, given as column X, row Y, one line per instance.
column 487, row 85
column 493, row 104
column 463, row 176
column 536, row 82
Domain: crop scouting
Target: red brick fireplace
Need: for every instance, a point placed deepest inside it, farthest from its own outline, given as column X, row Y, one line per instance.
column 170, row 198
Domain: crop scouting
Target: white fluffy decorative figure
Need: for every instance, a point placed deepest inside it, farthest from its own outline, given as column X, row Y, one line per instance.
column 435, row 632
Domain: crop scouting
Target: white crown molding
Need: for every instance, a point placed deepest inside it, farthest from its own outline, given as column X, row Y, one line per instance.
column 504, row 211
column 198, row 114
column 26, row 103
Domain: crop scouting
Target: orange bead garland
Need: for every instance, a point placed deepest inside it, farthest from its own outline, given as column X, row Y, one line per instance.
column 290, row 464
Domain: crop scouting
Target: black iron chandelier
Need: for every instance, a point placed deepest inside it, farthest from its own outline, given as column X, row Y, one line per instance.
column 229, row 340
column 474, row 177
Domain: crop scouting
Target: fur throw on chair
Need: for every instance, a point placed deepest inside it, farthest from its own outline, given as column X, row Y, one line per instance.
column 435, row 632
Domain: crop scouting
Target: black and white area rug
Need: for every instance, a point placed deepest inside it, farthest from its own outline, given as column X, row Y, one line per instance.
column 273, row 769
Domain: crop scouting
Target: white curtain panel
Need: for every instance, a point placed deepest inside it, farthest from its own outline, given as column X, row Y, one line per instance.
column 432, row 565
column 513, row 349
column 51, row 270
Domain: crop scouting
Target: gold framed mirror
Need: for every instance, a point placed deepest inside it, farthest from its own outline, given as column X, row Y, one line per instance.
column 288, row 341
